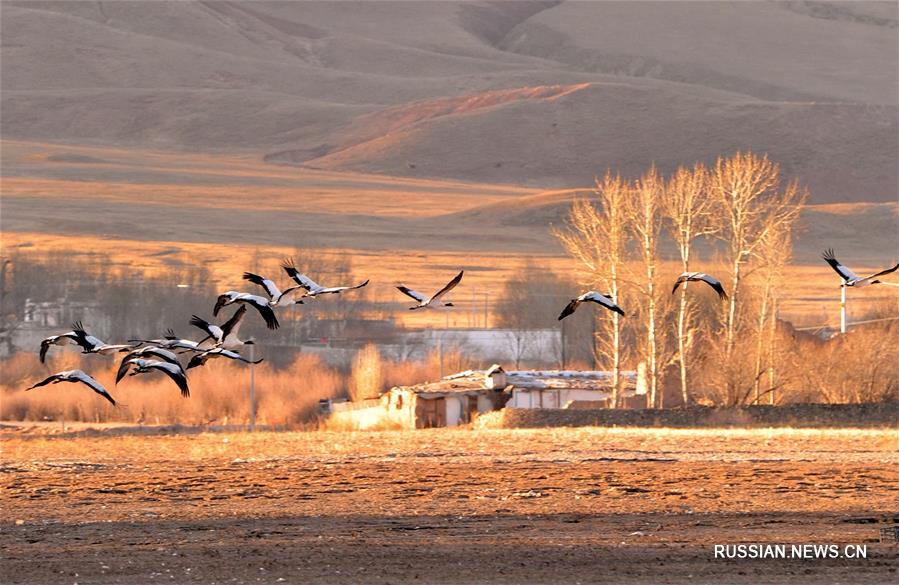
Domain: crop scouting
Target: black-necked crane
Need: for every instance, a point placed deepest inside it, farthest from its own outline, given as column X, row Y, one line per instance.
column 433, row 300
column 142, row 366
column 218, row 352
column 67, row 338
column 172, row 342
column 91, row 344
column 75, row 376
column 313, row 289
column 703, row 277
column 592, row 297
column 259, row 303
column 153, row 352
column 850, row 278
column 167, row 337
column 226, row 335
column 277, row 297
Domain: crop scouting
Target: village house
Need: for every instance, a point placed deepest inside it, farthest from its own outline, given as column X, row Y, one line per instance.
column 452, row 401
column 458, row 399
column 40, row 319
column 572, row 389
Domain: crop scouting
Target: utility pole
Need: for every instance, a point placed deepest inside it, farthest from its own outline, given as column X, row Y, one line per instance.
column 842, row 309
column 252, row 390
column 440, row 353
column 562, row 342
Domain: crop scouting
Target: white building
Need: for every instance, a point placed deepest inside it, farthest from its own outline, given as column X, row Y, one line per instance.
column 563, row 388
column 501, row 345
column 458, row 399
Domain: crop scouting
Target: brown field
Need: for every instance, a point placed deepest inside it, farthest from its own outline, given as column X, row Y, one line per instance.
column 442, row 506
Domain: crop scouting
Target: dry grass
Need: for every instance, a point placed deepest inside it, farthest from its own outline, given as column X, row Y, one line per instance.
column 219, row 393
column 860, row 366
column 285, row 396
column 567, row 443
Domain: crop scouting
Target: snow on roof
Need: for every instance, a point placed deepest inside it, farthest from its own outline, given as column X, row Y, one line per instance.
column 473, row 380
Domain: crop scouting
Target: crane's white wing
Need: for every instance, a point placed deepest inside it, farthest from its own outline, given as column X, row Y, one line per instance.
column 78, row 375
column 174, row 372
column 301, row 279
column 411, row 293
column 213, row 331
column 603, row 300
column 844, row 272
column 714, row 283
column 337, row 289
column 271, row 289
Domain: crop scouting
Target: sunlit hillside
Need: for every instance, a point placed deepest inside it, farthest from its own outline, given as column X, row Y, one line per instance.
column 522, row 93
column 155, row 210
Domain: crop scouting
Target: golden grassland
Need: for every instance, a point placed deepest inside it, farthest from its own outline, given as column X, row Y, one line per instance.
column 231, row 181
column 153, row 210
column 448, row 472
column 126, row 444
column 810, row 296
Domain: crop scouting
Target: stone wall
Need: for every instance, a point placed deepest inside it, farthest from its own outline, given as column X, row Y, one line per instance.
column 793, row 415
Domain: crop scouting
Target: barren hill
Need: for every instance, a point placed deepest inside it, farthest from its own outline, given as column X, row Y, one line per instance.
column 537, row 93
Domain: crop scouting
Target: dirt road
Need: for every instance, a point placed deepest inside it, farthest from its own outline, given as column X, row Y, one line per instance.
column 445, row 506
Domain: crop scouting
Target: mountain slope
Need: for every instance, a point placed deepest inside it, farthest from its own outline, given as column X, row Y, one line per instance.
column 840, row 151
column 458, row 90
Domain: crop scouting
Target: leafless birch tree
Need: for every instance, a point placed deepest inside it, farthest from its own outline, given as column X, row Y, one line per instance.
column 596, row 237
column 690, row 212
column 774, row 253
column 752, row 203
column 644, row 220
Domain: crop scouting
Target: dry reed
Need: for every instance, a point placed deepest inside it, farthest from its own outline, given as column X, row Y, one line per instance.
column 219, row 392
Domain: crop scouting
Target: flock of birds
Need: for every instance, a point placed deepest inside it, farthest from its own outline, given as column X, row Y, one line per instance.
column 222, row 341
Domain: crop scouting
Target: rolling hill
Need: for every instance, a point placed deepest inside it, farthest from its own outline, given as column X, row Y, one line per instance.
column 544, row 94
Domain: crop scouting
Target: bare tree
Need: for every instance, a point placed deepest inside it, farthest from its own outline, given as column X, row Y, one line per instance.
column 115, row 302
column 530, row 301
column 521, row 291
column 367, row 375
column 691, row 215
column 752, row 203
column 8, row 316
column 859, row 366
column 773, row 253
column 597, row 238
column 644, row 219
